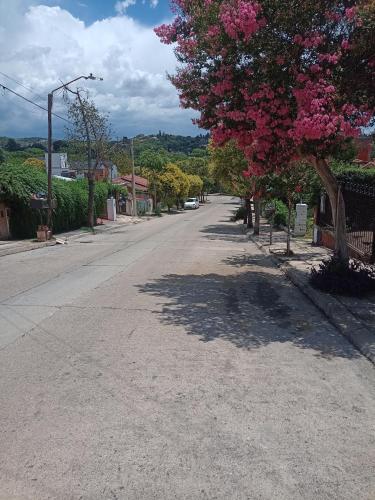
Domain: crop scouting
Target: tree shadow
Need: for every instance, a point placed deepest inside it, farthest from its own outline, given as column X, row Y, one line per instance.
column 173, row 212
column 244, row 260
column 225, row 232
column 250, row 309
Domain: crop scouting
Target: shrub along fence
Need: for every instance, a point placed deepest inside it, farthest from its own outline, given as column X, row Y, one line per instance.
column 19, row 183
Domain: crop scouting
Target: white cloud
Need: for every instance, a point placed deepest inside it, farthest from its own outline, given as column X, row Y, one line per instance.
column 122, row 6
column 41, row 46
column 154, row 3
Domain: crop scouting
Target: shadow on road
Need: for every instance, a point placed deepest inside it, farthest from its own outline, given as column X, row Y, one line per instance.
column 223, row 231
column 243, row 260
column 251, row 309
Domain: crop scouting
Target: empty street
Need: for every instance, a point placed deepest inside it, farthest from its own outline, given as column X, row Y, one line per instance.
column 173, row 360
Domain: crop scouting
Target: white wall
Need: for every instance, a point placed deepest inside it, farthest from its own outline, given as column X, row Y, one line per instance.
column 59, row 162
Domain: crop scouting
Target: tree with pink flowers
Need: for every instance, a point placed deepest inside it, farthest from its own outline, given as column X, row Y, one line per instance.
column 285, row 80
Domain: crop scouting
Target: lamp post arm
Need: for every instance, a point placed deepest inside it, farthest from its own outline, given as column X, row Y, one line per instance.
column 72, row 81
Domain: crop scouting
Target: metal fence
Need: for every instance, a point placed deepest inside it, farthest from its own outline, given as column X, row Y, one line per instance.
column 360, row 218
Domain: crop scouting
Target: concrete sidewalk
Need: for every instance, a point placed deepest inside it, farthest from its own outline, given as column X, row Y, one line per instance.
column 17, row 246
column 354, row 318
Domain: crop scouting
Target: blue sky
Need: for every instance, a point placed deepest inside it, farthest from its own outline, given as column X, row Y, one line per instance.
column 93, row 10
column 45, row 42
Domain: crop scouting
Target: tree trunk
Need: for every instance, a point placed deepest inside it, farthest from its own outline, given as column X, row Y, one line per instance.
column 155, row 200
column 249, row 214
column 245, row 213
column 337, row 206
column 91, row 200
column 257, row 216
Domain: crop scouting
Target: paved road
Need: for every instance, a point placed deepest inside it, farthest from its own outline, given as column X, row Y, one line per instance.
column 172, row 360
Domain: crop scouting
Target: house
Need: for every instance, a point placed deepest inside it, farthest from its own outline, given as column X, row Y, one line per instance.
column 77, row 169
column 103, row 170
column 144, row 199
column 59, row 162
column 364, row 148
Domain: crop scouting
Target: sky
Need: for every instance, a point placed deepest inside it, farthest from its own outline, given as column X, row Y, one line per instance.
column 44, row 43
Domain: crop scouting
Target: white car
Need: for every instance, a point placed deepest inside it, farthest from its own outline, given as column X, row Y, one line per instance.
column 192, row 203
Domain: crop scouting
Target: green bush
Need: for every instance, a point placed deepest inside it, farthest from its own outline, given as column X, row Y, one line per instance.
column 239, row 213
column 18, row 183
column 334, row 276
column 280, row 217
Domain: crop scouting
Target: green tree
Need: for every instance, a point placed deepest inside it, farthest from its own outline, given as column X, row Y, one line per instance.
column 121, row 157
column 92, row 128
column 60, row 146
column 12, row 146
column 290, row 186
column 195, row 185
column 152, row 159
column 199, row 165
column 173, row 185
column 228, row 165
column 169, row 186
column 38, row 145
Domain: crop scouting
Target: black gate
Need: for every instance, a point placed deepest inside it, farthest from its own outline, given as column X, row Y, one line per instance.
column 360, row 218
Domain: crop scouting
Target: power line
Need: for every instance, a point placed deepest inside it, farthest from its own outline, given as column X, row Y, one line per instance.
column 32, row 102
column 29, row 89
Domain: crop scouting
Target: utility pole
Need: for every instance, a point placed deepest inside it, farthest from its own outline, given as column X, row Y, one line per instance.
column 49, row 161
column 49, row 164
column 133, row 180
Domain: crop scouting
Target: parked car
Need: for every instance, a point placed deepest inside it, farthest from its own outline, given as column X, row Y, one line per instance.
column 192, row 203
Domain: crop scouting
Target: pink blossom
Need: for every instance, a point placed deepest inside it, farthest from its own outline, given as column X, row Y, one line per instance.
column 268, row 121
column 168, row 32
column 213, row 31
column 315, row 68
column 333, row 16
column 239, row 19
column 311, row 41
column 222, row 88
column 351, row 13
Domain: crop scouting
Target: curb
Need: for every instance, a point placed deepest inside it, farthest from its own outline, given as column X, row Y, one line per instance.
column 97, row 230
column 33, row 246
column 338, row 315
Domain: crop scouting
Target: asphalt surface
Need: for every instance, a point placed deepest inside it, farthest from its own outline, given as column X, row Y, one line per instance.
column 172, row 360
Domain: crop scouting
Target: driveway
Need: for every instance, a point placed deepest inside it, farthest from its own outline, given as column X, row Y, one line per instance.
column 173, row 360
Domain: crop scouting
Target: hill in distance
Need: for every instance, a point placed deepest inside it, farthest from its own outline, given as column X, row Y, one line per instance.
column 169, row 142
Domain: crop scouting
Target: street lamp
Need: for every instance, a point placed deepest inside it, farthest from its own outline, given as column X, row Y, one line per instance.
column 49, row 161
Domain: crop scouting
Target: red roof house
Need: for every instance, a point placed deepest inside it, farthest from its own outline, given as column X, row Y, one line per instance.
column 141, row 184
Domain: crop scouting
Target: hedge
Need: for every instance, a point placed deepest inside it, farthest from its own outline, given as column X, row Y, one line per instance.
column 354, row 174
column 18, row 183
